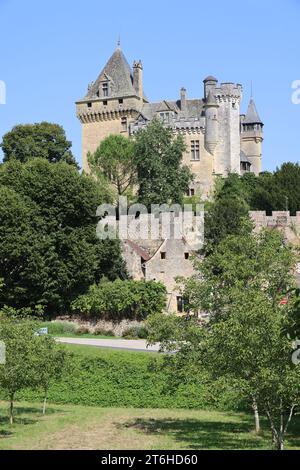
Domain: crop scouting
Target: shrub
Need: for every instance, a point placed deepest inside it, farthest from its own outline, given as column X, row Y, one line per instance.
column 82, row 330
column 136, row 332
column 122, row 299
column 103, row 332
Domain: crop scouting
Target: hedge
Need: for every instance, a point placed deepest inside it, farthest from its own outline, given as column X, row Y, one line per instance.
column 125, row 380
column 118, row 300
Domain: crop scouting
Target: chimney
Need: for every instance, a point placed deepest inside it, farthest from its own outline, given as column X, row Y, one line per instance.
column 138, row 78
column 183, row 99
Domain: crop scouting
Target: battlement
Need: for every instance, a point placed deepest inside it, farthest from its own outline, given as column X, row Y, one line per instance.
column 278, row 219
column 228, row 92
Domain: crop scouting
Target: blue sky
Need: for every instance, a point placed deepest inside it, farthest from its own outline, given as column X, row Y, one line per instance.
column 51, row 50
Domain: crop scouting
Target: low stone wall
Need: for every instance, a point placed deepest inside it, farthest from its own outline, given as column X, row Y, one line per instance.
column 93, row 325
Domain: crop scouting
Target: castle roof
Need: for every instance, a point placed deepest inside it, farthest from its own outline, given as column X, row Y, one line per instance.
column 252, row 116
column 210, row 78
column 118, row 72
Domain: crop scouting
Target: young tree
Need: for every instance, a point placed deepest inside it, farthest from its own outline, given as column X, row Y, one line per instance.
column 245, row 341
column 18, row 372
column 114, row 161
column 42, row 140
column 158, row 158
column 250, row 348
column 52, row 362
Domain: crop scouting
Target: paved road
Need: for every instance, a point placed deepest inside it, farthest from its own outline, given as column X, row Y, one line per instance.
column 125, row 344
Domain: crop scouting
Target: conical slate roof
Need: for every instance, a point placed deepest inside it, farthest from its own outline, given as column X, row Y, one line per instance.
column 118, row 72
column 252, row 116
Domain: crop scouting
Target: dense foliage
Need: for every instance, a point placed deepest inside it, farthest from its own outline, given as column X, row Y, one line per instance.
column 122, row 299
column 158, row 157
column 49, row 252
column 113, row 161
column 42, row 140
column 130, row 380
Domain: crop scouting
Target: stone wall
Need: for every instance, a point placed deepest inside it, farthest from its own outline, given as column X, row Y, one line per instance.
column 280, row 220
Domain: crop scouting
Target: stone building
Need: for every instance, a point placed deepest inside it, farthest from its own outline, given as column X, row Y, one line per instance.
column 219, row 139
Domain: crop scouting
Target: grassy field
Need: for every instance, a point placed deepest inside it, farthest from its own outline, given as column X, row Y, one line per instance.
column 84, row 428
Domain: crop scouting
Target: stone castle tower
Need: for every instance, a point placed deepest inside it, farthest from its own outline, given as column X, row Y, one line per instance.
column 219, row 139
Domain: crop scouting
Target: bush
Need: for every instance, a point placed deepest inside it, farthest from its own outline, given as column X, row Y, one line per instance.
column 103, row 332
column 136, row 332
column 59, row 328
column 118, row 300
column 82, row 330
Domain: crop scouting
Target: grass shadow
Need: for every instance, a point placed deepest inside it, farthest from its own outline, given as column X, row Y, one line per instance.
column 203, row 435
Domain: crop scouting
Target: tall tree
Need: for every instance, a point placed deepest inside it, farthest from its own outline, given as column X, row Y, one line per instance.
column 42, row 140
column 49, row 251
column 158, row 157
column 114, row 161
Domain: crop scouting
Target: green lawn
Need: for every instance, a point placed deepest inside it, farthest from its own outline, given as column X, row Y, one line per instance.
column 84, row 428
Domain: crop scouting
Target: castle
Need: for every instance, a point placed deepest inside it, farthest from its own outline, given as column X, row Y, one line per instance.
column 219, row 140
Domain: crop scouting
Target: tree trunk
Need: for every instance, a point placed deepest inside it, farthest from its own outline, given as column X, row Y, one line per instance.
column 45, row 402
column 11, row 409
column 256, row 415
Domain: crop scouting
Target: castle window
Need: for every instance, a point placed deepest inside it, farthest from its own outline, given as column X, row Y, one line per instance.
column 163, row 255
column 195, row 150
column 105, row 103
column 121, row 101
column 90, row 105
column 105, row 89
column 186, row 255
column 124, row 124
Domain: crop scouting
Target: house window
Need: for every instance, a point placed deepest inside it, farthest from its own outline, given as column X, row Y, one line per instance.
column 124, row 124
column 90, row 105
column 180, row 305
column 121, row 101
column 105, row 89
column 186, row 255
column 163, row 255
column 195, row 150
column 105, row 103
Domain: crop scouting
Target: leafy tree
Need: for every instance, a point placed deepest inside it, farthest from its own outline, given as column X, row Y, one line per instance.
column 52, row 363
column 256, row 356
column 122, row 299
column 42, row 140
column 226, row 215
column 114, row 161
column 241, row 262
column 158, row 157
column 18, row 372
column 49, row 252
column 240, row 286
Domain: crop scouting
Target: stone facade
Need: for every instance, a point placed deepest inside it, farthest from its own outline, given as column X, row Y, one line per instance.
column 219, row 139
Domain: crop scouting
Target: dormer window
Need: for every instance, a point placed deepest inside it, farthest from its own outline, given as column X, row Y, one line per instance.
column 105, row 89
column 165, row 117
